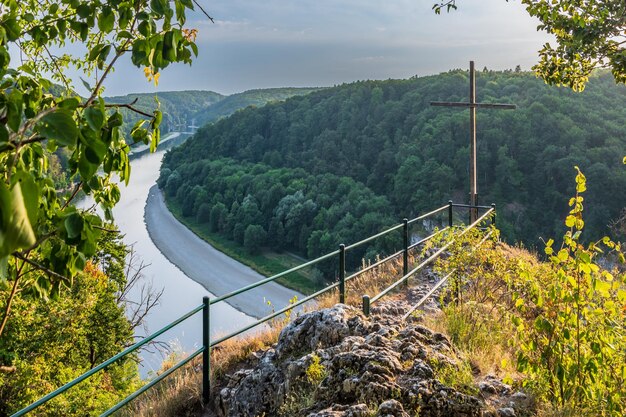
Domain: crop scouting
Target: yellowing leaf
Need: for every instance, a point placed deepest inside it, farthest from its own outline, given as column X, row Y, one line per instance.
column 603, row 288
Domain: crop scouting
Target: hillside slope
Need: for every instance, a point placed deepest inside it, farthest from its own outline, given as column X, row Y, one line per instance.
column 386, row 136
column 178, row 107
column 257, row 98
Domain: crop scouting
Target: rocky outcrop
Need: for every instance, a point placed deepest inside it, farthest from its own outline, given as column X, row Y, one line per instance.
column 336, row 362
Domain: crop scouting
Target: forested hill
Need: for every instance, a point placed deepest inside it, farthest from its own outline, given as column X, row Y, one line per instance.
column 385, row 136
column 242, row 100
column 182, row 108
column 178, row 107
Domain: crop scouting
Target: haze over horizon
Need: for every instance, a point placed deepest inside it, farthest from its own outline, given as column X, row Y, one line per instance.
column 323, row 43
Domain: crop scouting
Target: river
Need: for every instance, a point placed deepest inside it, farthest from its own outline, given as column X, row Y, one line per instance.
column 180, row 293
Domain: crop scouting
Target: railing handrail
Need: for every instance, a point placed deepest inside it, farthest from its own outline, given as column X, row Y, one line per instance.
column 428, row 260
column 441, row 281
column 320, row 259
column 205, row 306
column 469, row 206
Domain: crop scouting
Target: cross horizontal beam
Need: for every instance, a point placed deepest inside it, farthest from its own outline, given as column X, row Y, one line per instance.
column 474, row 105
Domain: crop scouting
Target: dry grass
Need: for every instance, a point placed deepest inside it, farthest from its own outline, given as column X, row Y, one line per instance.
column 178, row 395
column 483, row 342
column 369, row 283
column 181, row 393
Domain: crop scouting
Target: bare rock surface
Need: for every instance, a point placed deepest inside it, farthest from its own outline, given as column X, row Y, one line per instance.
column 336, row 362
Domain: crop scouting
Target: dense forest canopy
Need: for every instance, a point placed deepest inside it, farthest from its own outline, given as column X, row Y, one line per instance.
column 283, row 208
column 385, row 136
column 257, row 98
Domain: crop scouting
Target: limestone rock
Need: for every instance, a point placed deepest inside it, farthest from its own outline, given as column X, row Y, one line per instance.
column 382, row 362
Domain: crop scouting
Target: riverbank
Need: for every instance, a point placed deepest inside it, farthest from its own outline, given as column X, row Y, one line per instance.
column 266, row 263
column 209, row 267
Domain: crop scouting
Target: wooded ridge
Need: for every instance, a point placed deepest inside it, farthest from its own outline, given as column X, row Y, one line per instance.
column 384, row 138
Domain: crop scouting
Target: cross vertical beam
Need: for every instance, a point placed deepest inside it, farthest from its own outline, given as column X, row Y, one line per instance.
column 473, row 105
column 473, row 176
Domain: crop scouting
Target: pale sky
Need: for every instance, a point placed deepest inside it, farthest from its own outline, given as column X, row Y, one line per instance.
column 280, row 43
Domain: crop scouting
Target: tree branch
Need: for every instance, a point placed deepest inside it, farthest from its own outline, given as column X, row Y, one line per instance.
column 76, row 189
column 40, row 267
column 203, row 11
column 130, row 107
column 7, row 309
column 105, row 229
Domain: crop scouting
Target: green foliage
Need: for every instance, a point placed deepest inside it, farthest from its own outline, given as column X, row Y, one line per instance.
column 315, row 372
column 256, row 206
column 456, row 374
column 267, row 263
column 254, row 238
column 571, row 322
column 416, row 155
column 589, row 34
column 39, row 223
column 50, row 343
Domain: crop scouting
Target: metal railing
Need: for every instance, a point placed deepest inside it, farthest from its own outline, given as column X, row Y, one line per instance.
column 205, row 307
column 367, row 301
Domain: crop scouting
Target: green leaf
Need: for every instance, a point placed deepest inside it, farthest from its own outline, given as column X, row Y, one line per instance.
column 95, row 151
column 74, row 225
column 115, row 120
column 14, row 110
column 603, row 288
column 4, row 135
column 106, row 20
column 94, row 117
column 59, row 126
column 69, row 104
column 159, row 6
column 12, row 28
column 4, row 268
column 30, row 195
column 155, row 139
column 85, row 167
column 86, row 84
column 158, row 117
column 16, row 232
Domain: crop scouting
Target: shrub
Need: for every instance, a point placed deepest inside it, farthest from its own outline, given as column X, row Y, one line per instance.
column 571, row 322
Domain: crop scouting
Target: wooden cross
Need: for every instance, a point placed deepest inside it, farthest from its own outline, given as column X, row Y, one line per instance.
column 473, row 105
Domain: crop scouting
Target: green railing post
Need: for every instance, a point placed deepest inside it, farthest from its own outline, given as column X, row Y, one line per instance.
column 449, row 213
column 342, row 273
column 405, row 254
column 206, row 354
column 493, row 216
column 366, row 305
